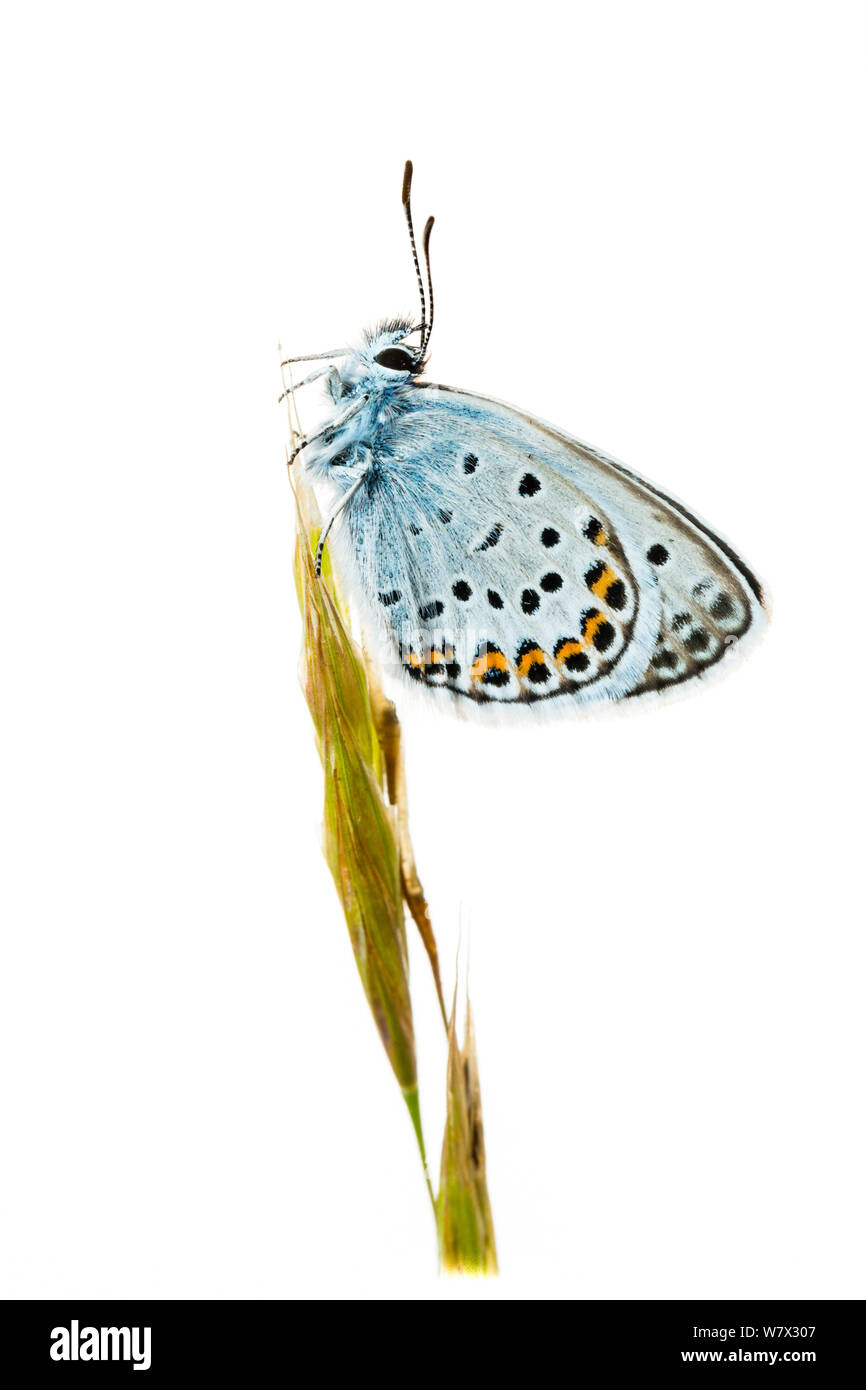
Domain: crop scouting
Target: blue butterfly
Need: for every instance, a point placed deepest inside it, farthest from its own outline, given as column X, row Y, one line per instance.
column 503, row 562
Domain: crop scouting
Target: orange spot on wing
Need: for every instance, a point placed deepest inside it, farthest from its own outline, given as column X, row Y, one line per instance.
column 492, row 660
column 593, row 625
column 535, row 654
column 569, row 649
column 606, row 577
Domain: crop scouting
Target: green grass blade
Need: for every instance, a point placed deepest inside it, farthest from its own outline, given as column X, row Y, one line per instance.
column 362, row 836
column 467, row 1244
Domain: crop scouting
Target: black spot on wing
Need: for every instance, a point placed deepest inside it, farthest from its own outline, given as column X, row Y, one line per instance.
column 492, row 537
column 697, row 641
column 664, row 660
column 615, row 595
column 538, row 673
column 722, row 606
column 604, row 635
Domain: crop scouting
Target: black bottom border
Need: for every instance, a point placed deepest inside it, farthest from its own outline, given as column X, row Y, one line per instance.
column 195, row 1341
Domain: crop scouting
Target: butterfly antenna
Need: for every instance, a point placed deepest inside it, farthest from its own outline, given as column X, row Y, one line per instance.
column 426, row 241
column 407, row 208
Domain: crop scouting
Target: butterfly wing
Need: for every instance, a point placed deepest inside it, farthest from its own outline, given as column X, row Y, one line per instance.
column 510, row 564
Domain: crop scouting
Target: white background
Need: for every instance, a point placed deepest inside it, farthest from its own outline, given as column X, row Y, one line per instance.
column 650, row 225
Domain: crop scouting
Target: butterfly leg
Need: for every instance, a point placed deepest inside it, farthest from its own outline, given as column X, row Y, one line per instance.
column 347, row 497
column 315, row 357
column 313, row 376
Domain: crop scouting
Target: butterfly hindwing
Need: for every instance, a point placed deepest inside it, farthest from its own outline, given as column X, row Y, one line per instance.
column 510, row 564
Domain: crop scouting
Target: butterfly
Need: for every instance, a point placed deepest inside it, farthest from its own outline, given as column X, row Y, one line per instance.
column 502, row 562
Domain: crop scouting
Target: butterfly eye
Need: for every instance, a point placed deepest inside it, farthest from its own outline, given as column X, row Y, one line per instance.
column 396, row 359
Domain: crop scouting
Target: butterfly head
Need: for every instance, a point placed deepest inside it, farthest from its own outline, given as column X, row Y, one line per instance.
column 385, row 356
column 389, row 353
